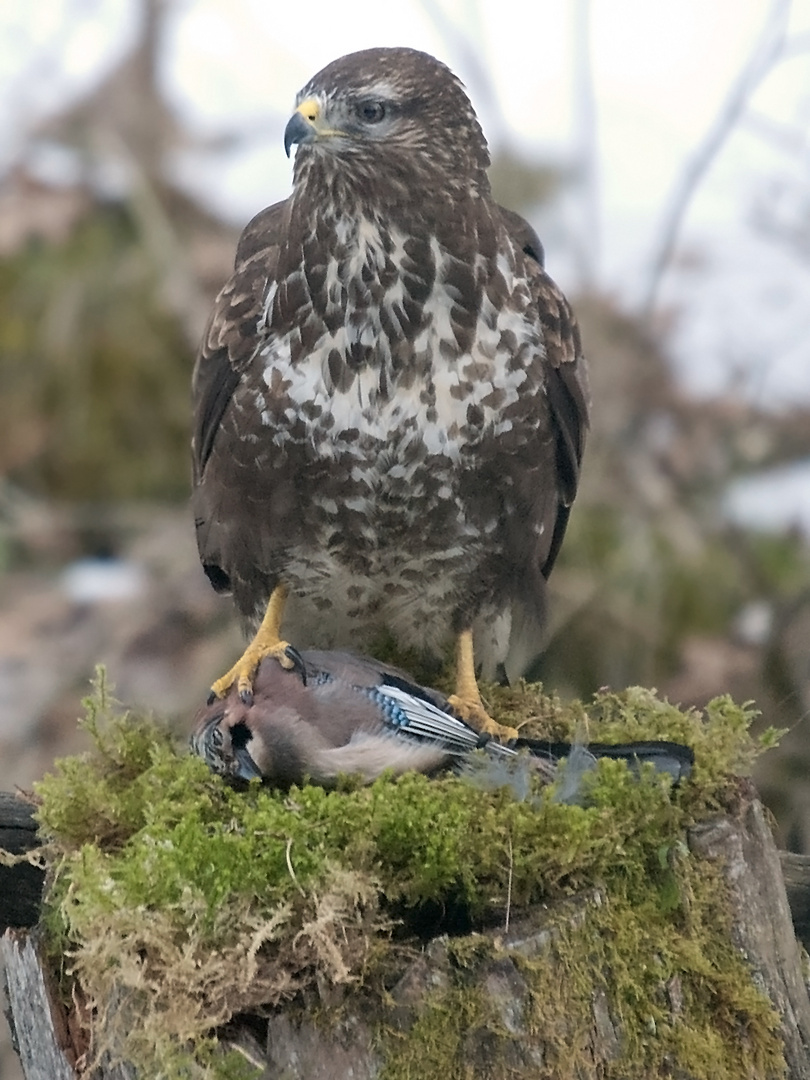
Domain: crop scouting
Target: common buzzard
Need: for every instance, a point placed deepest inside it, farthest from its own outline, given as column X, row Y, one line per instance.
column 390, row 398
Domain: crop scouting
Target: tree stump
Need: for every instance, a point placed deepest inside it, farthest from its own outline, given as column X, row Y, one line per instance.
column 301, row 1042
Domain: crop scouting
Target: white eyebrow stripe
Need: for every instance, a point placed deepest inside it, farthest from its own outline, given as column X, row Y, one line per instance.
column 379, row 89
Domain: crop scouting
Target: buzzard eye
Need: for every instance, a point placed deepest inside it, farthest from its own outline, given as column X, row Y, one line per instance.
column 372, row 112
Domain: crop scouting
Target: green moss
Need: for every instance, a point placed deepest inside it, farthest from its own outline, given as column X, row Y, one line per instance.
column 672, row 983
column 434, row 1047
column 190, row 901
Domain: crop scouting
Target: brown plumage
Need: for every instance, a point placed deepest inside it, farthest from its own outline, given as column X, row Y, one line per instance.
column 390, row 399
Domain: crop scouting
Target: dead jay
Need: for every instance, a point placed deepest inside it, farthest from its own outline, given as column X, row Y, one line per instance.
column 336, row 714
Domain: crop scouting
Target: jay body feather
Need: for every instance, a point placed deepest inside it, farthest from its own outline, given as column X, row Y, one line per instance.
column 338, row 714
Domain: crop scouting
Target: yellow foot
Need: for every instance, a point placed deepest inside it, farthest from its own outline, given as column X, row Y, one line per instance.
column 466, row 703
column 474, row 713
column 267, row 642
column 244, row 670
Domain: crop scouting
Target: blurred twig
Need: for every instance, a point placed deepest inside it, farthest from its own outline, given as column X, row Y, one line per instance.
column 768, row 50
column 468, row 45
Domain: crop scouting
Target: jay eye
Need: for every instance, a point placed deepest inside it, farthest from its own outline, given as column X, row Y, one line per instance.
column 372, row 112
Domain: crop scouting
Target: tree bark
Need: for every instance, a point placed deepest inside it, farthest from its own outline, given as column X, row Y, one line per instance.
column 762, row 927
column 20, row 885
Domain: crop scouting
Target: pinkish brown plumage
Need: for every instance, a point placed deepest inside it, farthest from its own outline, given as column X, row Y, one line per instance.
column 338, row 714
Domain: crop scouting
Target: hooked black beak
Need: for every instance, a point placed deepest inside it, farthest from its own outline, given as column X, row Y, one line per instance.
column 246, row 767
column 298, row 130
column 242, row 765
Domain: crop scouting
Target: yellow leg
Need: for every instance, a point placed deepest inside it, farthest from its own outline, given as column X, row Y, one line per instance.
column 466, row 702
column 267, row 642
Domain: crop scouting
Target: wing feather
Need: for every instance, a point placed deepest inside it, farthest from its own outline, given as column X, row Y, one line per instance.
column 566, row 377
column 230, row 338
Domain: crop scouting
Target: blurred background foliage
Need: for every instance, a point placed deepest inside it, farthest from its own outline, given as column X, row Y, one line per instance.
column 103, row 296
column 95, row 367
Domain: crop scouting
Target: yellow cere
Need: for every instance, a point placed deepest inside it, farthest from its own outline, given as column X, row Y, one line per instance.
column 310, row 110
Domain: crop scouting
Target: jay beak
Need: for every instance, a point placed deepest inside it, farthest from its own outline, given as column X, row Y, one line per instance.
column 334, row 714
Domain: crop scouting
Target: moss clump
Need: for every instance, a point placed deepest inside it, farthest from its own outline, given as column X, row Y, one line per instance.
column 667, row 967
column 434, row 1047
column 182, row 901
column 680, row 991
column 719, row 735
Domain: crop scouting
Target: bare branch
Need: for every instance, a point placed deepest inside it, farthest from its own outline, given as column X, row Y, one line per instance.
column 768, row 50
column 469, row 49
column 791, row 139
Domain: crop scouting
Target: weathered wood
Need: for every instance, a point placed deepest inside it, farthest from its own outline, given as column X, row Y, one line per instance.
column 762, row 926
column 38, row 1023
column 30, row 1012
column 796, row 873
column 17, row 825
column 21, row 885
column 299, row 1046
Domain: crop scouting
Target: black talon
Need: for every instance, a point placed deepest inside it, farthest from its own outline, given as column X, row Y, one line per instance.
column 298, row 662
column 246, row 697
column 212, row 697
column 483, row 739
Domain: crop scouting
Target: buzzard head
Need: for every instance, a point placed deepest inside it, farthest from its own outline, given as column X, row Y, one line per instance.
column 398, row 112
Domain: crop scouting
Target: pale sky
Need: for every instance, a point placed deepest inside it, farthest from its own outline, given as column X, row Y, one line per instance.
column 660, row 71
column 660, row 68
